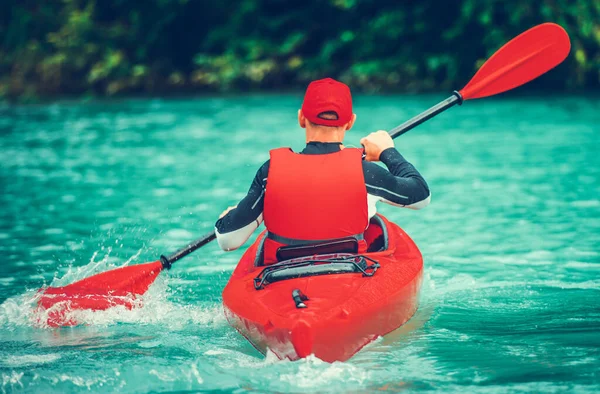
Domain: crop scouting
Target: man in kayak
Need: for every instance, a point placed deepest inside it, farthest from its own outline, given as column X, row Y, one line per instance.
column 326, row 192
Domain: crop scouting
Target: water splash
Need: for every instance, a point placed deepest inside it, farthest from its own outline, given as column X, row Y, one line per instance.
column 154, row 307
column 74, row 274
column 313, row 373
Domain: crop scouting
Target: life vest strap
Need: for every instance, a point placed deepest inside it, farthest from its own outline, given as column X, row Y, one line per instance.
column 300, row 242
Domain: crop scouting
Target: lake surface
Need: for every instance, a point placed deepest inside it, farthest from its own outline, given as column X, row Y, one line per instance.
column 511, row 243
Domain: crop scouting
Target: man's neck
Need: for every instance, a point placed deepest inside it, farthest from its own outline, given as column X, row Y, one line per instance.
column 325, row 134
column 319, row 148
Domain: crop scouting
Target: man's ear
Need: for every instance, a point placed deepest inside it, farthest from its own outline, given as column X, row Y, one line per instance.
column 351, row 123
column 301, row 119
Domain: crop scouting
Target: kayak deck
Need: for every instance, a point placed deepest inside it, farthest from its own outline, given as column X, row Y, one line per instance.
column 343, row 312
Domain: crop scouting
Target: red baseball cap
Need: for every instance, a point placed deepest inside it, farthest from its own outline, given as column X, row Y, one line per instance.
column 327, row 95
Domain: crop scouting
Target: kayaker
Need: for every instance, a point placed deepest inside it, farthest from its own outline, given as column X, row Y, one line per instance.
column 327, row 192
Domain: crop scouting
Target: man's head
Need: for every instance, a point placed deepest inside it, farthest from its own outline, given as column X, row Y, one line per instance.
column 327, row 109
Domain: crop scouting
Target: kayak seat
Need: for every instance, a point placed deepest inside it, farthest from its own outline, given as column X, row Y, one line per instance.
column 344, row 245
column 376, row 237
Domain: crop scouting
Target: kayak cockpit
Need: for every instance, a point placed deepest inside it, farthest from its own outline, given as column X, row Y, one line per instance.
column 338, row 263
column 376, row 237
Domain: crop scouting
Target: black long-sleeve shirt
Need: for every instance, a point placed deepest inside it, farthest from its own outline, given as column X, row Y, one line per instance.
column 399, row 185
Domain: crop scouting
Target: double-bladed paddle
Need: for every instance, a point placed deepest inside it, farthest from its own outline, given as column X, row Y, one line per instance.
column 522, row 59
column 519, row 61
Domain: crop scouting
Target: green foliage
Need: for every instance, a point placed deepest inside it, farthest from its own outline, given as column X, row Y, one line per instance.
column 107, row 47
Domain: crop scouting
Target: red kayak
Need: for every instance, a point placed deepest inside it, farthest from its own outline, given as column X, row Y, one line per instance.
column 327, row 304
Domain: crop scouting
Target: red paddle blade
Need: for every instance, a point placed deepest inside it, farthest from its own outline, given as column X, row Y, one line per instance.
column 98, row 292
column 519, row 61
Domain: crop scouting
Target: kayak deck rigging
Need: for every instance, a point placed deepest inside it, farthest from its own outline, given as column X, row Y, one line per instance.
column 340, row 263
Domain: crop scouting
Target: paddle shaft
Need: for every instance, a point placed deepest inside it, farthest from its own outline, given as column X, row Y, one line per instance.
column 451, row 101
column 167, row 261
column 410, row 124
column 509, row 67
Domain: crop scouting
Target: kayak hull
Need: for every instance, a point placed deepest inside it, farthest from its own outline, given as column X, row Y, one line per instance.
column 344, row 312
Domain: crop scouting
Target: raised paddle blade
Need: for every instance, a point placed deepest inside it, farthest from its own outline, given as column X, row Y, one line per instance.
column 120, row 286
column 519, row 61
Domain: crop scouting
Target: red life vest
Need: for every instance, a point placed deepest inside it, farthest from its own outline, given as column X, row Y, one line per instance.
column 311, row 198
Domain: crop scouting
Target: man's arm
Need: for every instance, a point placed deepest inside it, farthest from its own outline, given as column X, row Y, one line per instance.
column 402, row 185
column 234, row 229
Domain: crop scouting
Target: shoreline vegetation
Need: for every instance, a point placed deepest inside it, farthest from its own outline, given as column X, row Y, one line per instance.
column 108, row 48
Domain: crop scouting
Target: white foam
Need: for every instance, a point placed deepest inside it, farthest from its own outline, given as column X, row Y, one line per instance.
column 152, row 308
column 162, row 192
column 78, row 381
column 47, row 248
column 179, row 234
column 165, row 377
column 74, row 274
column 13, row 379
column 434, row 288
column 132, row 258
column 586, row 360
column 29, row 360
column 149, row 344
column 214, row 352
column 587, row 285
column 582, row 253
column 582, row 265
column 53, row 231
column 586, row 203
column 190, row 374
column 314, row 373
column 18, row 311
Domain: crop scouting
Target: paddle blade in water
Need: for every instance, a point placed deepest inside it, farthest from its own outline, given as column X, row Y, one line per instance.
column 98, row 292
column 519, row 61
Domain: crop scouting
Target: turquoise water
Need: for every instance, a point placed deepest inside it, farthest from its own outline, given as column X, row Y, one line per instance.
column 511, row 242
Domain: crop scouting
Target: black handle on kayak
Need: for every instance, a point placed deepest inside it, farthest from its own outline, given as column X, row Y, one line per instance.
column 451, row 101
column 299, row 297
column 169, row 260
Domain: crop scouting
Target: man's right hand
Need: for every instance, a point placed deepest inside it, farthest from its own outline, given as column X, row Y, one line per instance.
column 375, row 143
column 225, row 212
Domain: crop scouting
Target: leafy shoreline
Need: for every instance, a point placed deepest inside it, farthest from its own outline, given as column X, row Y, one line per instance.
column 117, row 47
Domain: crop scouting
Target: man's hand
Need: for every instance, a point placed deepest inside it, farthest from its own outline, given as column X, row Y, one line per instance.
column 225, row 212
column 375, row 143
